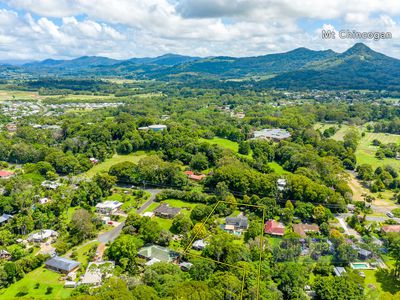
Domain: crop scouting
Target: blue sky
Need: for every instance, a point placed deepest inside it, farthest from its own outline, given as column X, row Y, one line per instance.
column 39, row 29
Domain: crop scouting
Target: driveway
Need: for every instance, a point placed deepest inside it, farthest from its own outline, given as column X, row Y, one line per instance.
column 153, row 193
column 111, row 235
column 347, row 230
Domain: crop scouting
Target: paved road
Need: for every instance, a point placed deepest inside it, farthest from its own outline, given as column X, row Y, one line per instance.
column 153, row 193
column 111, row 235
column 372, row 218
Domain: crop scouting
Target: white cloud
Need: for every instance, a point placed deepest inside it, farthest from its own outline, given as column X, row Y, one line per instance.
column 126, row 28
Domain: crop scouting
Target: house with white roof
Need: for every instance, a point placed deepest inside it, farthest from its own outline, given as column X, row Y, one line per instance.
column 108, row 207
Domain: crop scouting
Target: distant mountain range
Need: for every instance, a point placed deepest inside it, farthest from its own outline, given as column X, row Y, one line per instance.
column 357, row 68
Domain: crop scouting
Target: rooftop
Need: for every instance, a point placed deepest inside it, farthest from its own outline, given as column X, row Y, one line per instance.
column 62, row 263
column 158, row 253
column 4, row 173
column 391, row 228
column 302, row 229
column 4, row 218
column 42, row 234
column 109, row 204
column 274, row 227
column 165, row 209
column 241, row 222
column 275, row 133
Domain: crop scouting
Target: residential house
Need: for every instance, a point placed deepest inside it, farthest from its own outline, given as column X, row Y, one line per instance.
column 4, row 254
column 185, row 266
column 191, row 175
column 51, row 185
column 4, row 218
column 108, row 207
column 199, row 245
column 362, row 253
column 97, row 271
column 303, row 229
column 44, row 200
column 11, row 127
column 155, row 253
column 273, row 227
column 390, row 228
column 62, row 265
column 93, row 160
column 339, row 271
column 236, row 225
column 6, row 174
column 42, row 235
column 281, row 183
column 166, row 211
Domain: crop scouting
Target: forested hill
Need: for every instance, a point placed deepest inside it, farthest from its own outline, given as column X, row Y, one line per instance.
column 357, row 68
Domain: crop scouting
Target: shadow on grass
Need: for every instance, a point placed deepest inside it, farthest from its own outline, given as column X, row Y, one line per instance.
column 21, row 294
column 387, row 280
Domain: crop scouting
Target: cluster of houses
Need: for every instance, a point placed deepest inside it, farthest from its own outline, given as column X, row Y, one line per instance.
column 21, row 109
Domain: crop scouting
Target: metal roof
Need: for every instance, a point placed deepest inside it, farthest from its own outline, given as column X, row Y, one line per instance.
column 62, row 263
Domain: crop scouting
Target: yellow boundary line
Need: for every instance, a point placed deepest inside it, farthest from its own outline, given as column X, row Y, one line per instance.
column 186, row 251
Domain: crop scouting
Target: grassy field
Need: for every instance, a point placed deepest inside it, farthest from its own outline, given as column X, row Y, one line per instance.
column 234, row 146
column 365, row 151
column 108, row 163
column 18, row 95
column 224, row 143
column 152, row 207
column 278, row 168
column 45, row 278
column 82, row 252
column 164, row 223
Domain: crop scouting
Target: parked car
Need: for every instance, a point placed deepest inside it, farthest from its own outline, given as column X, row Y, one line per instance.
column 390, row 215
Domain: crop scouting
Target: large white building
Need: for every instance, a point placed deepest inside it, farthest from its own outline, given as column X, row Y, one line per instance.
column 108, row 207
column 275, row 134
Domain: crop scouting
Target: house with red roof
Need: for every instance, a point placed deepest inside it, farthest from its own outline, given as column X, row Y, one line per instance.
column 191, row 175
column 6, row 174
column 390, row 228
column 273, row 227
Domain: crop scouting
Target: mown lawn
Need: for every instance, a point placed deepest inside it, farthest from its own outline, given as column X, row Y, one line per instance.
column 18, row 95
column 45, row 278
column 82, row 252
column 164, row 223
column 152, row 207
column 366, row 152
column 108, row 163
column 225, row 143
column 186, row 206
column 277, row 168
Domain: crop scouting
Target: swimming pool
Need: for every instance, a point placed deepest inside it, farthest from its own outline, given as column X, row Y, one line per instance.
column 360, row 266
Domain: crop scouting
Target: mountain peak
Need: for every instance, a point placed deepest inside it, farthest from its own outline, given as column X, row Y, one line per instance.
column 359, row 48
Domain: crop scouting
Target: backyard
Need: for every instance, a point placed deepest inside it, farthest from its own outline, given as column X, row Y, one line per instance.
column 40, row 283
